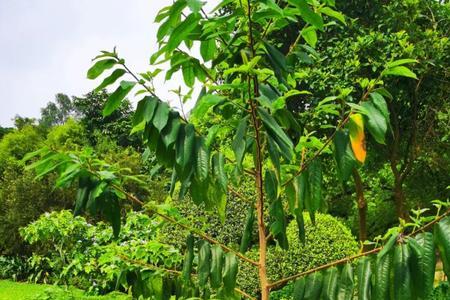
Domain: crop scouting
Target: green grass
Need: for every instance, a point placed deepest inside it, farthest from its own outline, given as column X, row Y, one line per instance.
column 27, row 291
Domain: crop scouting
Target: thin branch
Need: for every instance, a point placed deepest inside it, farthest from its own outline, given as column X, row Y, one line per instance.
column 190, row 229
column 282, row 282
column 171, row 271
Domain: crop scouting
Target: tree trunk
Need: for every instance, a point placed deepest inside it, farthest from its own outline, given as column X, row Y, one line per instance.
column 362, row 205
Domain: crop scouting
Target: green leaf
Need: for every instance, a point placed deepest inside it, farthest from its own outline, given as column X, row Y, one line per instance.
column 299, row 289
column 346, row 284
column 195, row 5
column 315, row 184
column 384, row 261
column 219, row 170
column 379, row 102
column 170, row 132
column 204, row 263
column 248, row 230
column 174, row 17
column 423, row 265
column 115, row 99
column 313, row 286
column 399, row 71
column 276, row 57
column 402, row 276
column 188, row 259
column 310, row 36
column 400, row 62
column 161, row 116
column 305, row 195
column 364, row 272
column 181, row 32
column 343, row 155
column 274, row 154
column 330, row 280
column 239, row 144
column 202, row 162
column 145, row 110
column 442, row 239
column 307, row 14
column 230, row 271
column 204, row 104
column 81, row 200
column 188, row 74
column 217, row 261
column 271, row 186
column 375, row 122
column 279, row 223
column 208, row 49
column 99, row 67
column 110, row 79
column 275, row 132
column 334, row 14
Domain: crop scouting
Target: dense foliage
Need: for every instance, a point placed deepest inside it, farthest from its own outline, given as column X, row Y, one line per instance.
column 306, row 107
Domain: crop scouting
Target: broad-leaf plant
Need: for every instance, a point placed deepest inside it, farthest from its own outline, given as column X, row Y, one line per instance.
column 247, row 81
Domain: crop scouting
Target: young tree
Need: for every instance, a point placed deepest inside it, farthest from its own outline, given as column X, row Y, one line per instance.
column 248, row 81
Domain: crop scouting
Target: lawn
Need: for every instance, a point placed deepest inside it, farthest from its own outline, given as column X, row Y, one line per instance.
column 10, row 290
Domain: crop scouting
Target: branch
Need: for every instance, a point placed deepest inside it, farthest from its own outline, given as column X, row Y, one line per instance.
column 282, row 282
column 195, row 231
column 171, row 271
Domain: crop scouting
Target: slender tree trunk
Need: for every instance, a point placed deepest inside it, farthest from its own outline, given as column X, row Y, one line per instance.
column 399, row 196
column 362, row 205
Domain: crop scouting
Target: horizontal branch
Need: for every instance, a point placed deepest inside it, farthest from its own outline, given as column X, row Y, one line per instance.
column 172, row 271
column 195, row 231
column 282, row 282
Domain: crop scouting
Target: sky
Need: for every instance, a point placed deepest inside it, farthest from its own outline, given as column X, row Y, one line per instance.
column 46, row 47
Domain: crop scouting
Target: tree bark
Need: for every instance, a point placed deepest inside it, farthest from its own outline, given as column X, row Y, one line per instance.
column 362, row 205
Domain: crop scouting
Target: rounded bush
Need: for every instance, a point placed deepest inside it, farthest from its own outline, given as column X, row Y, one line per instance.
column 328, row 240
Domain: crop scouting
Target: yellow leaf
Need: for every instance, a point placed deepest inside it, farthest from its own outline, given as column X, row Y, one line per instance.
column 357, row 137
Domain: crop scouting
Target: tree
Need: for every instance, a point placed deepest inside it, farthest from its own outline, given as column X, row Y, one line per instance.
column 249, row 80
column 57, row 113
column 117, row 126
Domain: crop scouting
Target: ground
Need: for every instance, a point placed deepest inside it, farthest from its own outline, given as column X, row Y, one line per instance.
column 27, row 291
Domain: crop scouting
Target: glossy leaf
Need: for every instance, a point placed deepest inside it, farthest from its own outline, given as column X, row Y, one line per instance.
column 248, row 230
column 375, row 122
column 204, row 263
column 346, row 284
column 230, row 271
column 182, row 31
column 330, row 280
column 217, row 260
column 219, row 170
column 423, row 265
column 402, row 276
column 310, row 36
column 110, row 79
column 239, row 144
column 315, row 185
column 275, row 132
column 208, row 49
column 313, row 286
column 99, row 67
column 115, row 99
column 202, row 161
column 145, row 110
column 170, row 132
column 188, row 259
column 399, row 71
column 343, row 155
column 364, row 273
column 308, row 14
column 161, row 116
column 299, row 289
column 442, row 239
column 204, row 104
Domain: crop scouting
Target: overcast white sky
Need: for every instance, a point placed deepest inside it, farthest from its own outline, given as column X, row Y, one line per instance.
column 46, row 47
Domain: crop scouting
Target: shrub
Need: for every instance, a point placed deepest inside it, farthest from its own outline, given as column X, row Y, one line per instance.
column 14, row 267
column 228, row 233
column 326, row 241
column 72, row 251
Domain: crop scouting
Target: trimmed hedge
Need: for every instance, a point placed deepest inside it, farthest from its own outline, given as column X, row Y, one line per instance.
column 326, row 241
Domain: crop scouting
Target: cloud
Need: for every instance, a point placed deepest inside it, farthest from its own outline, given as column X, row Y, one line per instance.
column 46, row 47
